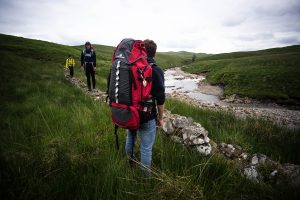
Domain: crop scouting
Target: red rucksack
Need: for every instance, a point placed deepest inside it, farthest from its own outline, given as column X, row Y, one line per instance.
column 129, row 85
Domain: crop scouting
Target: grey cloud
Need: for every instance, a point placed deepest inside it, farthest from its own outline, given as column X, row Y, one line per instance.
column 234, row 21
column 181, row 44
column 289, row 40
column 277, row 8
column 205, row 26
column 252, row 37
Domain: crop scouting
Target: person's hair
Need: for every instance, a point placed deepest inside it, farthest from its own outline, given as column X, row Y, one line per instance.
column 150, row 48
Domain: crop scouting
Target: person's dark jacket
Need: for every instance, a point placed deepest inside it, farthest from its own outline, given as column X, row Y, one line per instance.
column 88, row 57
column 158, row 86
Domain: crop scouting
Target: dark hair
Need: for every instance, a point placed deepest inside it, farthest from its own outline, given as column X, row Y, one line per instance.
column 150, row 48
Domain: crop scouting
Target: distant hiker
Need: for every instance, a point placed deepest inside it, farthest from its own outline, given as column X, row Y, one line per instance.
column 70, row 64
column 88, row 63
column 136, row 90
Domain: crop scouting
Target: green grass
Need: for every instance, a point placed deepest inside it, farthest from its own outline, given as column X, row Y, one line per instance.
column 176, row 59
column 267, row 74
column 57, row 143
column 253, row 135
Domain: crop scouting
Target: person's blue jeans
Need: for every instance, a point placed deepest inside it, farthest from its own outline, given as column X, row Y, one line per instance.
column 147, row 134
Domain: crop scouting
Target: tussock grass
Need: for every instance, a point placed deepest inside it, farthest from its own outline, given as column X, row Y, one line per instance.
column 57, row 143
column 254, row 135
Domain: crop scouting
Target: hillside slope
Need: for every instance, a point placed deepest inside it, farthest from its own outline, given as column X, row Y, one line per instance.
column 57, row 143
column 266, row 74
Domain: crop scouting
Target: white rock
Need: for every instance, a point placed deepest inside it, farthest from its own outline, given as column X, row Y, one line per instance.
column 274, row 173
column 254, row 160
column 197, row 141
column 244, row 156
column 258, row 159
column 204, row 149
column 251, row 173
column 206, row 139
column 232, row 150
column 168, row 127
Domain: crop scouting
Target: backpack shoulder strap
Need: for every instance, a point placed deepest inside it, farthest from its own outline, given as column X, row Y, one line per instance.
column 152, row 64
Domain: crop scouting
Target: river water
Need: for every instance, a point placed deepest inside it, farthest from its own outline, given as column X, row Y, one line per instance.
column 177, row 81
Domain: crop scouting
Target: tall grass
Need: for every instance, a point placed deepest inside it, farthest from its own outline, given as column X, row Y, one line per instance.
column 57, row 143
column 254, row 135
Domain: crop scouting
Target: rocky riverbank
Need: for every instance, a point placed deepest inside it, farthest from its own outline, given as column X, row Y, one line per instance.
column 240, row 107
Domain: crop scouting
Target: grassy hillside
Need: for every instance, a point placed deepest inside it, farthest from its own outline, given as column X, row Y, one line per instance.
column 177, row 59
column 266, row 74
column 57, row 143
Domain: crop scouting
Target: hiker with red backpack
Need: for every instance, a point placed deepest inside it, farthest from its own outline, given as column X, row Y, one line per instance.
column 137, row 94
column 88, row 64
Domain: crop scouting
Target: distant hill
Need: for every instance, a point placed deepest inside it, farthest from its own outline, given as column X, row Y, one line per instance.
column 272, row 51
column 265, row 74
column 177, row 59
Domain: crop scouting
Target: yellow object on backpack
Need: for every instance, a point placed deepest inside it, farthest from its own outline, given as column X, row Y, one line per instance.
column 70, row 62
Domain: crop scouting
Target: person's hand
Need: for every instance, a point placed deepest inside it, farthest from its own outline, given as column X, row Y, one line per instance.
column 160, row 123
column 94, row 68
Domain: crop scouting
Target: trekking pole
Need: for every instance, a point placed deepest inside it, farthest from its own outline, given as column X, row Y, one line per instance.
column 133, row 141
column 117, row 138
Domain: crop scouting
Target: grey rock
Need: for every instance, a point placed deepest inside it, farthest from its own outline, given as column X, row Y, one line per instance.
column 244, row 156
column 251, row 173
column 230, row 150
column 181, row 122
column 292, row 172
column 259, row 159
column 168, row 127
column 254, row 160
column 194, row 135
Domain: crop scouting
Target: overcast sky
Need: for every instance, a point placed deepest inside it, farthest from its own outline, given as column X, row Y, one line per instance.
column 210, row 26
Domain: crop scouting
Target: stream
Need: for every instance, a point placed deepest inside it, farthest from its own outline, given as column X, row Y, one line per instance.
column 178, row 81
